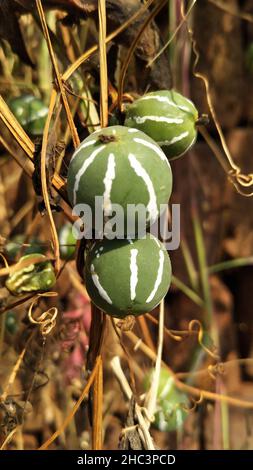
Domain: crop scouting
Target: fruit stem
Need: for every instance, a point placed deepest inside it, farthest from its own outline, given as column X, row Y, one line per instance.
column 106, row 139
column 202, row 120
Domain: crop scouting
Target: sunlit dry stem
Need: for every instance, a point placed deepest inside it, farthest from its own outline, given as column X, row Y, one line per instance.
column 27, row 146
column 115, row 324
column 97, row 430
column 15, row 128
column 44, row 181
column 21, row 160
column 8, row 438
column 145, row 331
column 15, row 370
column 103, row 64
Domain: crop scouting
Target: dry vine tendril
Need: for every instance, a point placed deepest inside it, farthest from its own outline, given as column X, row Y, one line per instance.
column 235, row 174
column 46, row 320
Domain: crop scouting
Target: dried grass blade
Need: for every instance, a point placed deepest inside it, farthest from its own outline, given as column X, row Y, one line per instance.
column 97, row 430
column 103, row 64
column 44, row 181
column 68, row 419
column 15, row 128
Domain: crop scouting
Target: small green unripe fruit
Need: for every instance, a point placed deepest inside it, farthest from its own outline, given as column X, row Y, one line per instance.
column 11, row 322
column 67, row 242
column 30, row 112
column 123, row 166
column 172, row 404
column 127, row 277
column 34, row 277
column 166, row 116
column 15, row 245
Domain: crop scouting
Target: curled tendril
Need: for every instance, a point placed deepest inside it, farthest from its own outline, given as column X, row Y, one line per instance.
column 171, row 333
column 238, row 179
column 195, row 403
column 174, row 336
column 188, row 409
column 200, row 399
column 245, row 180
column 47, row 319
column 217, row 369
column 200, row 333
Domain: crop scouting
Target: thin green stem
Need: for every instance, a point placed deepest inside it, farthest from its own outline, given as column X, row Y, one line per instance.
column 231, row 264
column 191, row 270
column 203, row 269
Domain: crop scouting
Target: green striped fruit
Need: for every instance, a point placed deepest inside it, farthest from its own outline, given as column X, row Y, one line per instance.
column 67, row 242
column 30, row 112
column 172, row 404
column 123, row 166
column 127, row 277
column 166, row 116
column 34, row 277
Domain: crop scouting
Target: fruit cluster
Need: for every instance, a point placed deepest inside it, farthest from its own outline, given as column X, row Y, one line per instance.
column 124, row 166
column 128, row 165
